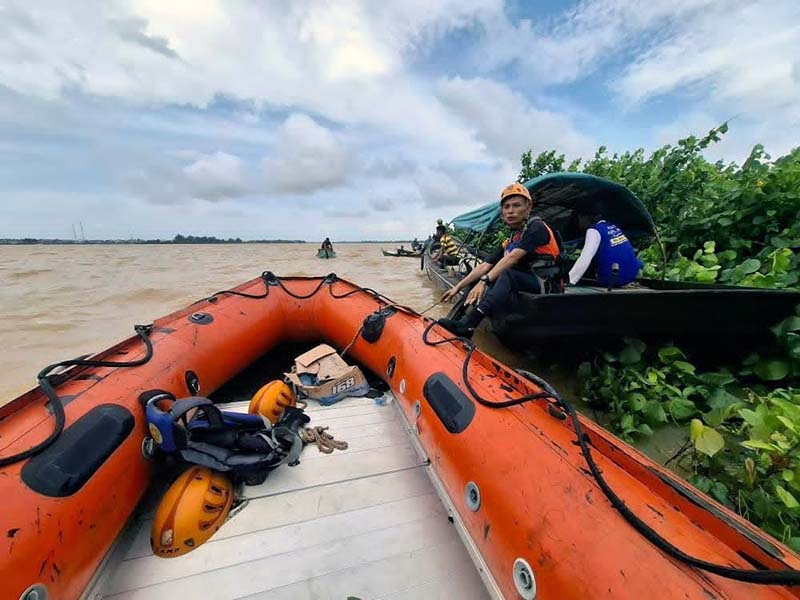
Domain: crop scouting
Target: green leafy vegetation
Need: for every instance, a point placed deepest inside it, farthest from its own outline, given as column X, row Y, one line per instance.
column 742, row 424
column 719, row 223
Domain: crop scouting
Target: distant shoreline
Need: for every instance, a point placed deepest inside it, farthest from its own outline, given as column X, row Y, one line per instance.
column 58, row 242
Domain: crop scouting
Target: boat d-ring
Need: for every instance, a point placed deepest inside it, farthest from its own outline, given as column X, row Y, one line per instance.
column 472, row 496
column 417, row 409
column 149, row 448
column 201, row 318
column 36, row 592
column 192, row 382
column 524, row 579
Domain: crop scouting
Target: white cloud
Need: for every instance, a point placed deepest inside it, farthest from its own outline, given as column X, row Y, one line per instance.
column 216, row 177
column 345, row 214
column 452, row 188
column 506, row 123
column 211, row 177
column 344, row 61
column 745, row 54
column 308, row 157
column 188, row 101
column 738, row 61
column 724, row 58
column 577, row 41
column 382, row 204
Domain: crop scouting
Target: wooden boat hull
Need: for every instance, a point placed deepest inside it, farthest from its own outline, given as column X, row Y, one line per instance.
column 404, row 254
column 711, row 320
column 537, row 500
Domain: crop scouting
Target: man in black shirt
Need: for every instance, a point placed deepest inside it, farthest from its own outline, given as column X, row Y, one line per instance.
column 512, row 268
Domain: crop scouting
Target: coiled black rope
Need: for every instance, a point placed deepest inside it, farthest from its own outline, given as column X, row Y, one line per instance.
column 265, row 276
column 470, row 347
column 44, row 378
column 289, row 292
column 760, row 577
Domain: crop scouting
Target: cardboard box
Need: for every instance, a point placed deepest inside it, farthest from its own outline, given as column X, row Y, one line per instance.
column 323, row 375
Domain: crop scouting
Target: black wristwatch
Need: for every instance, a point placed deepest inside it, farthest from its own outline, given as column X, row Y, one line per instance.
column 485, row 279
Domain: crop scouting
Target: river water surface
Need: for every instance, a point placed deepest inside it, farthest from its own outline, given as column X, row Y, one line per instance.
column 59, row 302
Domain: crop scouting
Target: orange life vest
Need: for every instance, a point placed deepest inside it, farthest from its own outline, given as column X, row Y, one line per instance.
column 549, row 250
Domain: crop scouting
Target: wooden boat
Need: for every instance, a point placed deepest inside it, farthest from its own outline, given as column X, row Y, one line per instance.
column 323, row 253
column 402, row 252
column 716, row 321
column 510, row 477
column 707, row 318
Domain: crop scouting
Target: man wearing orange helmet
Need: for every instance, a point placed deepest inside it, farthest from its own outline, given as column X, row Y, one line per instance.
column 525, row 263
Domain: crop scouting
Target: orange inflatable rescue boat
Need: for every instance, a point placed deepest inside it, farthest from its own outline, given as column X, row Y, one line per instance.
column 545, row 503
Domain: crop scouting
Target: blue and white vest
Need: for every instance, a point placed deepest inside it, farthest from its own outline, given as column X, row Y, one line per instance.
column 615, row 248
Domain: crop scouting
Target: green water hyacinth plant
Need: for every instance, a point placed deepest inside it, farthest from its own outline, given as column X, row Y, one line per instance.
column 639, row 389
column 751, row 461
column 724, row 223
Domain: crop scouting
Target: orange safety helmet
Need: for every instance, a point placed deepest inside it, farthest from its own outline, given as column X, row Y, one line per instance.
column 192, row 510
column 515, row 189
column 271, row 400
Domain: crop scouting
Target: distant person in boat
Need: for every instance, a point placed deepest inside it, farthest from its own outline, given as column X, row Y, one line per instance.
column 528, row 261
column 445, row 249
column 326, row 245
column 607, row 254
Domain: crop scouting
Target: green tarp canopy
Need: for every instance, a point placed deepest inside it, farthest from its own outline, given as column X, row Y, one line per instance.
column 561, row 197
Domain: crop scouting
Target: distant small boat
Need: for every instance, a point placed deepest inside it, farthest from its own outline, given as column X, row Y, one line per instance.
column 402, row 252
column 322, row 253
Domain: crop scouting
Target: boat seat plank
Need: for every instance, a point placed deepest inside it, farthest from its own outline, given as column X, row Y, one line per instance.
column 336, row 467
column 365, row 522
column 218, row 554
column 302, row 505
column 347, row 407
column 317, row 470
column 413, row 576
column 292, row 567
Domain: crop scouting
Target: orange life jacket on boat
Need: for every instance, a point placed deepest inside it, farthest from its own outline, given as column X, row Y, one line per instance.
column 547, row 262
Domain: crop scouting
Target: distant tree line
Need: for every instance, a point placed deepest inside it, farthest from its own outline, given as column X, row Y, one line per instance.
column 178, row 239
column 203, row 239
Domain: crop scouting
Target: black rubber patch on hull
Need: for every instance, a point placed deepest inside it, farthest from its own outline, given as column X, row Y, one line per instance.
column 80, row 450
column 454, row 409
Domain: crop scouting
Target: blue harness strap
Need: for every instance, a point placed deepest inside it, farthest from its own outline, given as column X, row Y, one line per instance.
column 161, row 425
column 244, row 445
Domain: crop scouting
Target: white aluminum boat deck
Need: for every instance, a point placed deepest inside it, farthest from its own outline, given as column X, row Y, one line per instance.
column 364, row 523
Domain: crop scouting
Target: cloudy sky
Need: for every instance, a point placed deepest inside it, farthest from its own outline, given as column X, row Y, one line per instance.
column 294, row 118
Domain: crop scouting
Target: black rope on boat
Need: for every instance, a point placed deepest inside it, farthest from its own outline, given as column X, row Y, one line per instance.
column 471, row 347
column 760, row 577
column 45, row 383
column 265, row 277
column 45, row 378
column 305, row 296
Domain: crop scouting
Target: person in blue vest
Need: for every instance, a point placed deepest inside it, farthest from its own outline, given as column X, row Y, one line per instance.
column 609, row 250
